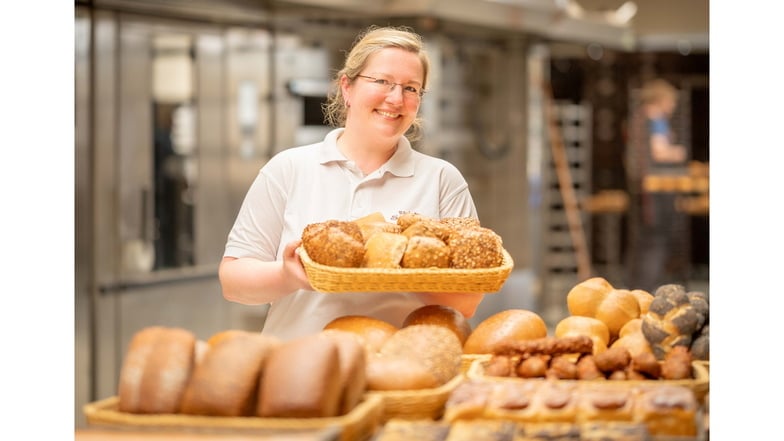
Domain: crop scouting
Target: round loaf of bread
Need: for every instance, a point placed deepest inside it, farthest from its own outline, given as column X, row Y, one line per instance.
column 156, row 369
column 226, row 381
column 644, row 298
column 374, row 332
column 504, row 326
column 334, row 243
column 398, row 373
column 441, row 315
column 435, row 347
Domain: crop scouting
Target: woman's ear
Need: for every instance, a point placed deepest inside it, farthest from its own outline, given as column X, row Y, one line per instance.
column 345, row 88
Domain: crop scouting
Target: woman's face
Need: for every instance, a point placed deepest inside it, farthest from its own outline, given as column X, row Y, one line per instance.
column 376, row 111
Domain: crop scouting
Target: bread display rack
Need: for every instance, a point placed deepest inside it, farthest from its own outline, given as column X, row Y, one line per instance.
column 358, row 424
column 329, row 279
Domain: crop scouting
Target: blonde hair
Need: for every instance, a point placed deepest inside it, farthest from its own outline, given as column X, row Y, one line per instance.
column 367, row 43
column 658, row 90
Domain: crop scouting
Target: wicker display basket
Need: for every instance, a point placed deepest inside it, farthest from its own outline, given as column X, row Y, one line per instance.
column 330, row 279
column 416, row 404
column 700, row 384
column 359, row 424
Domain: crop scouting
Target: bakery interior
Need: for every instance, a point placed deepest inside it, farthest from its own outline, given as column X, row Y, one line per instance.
column 235, row 82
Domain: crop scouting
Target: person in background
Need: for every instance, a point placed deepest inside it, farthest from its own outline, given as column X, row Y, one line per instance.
column 364, row 165
column 657, row 249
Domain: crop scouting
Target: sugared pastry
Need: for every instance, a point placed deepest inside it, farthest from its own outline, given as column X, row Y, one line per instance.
column 514, row 401
column 468, row 400
column 556, row 401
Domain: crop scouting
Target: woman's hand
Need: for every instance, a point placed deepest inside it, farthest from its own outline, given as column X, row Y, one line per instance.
column 292, row 266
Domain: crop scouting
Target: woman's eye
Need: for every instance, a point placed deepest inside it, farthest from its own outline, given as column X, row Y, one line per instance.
column 382, row 82
column 412, row 89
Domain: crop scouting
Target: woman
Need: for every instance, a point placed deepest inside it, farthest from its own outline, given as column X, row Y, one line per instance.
column 365, row 165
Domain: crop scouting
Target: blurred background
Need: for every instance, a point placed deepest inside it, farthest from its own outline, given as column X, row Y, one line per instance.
column 178, row 103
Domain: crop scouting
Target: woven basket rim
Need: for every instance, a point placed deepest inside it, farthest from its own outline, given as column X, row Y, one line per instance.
column 329, row 279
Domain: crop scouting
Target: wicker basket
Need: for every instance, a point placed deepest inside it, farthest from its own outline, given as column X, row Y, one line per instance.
column 359, row 424
column 416, row 404
column 330, row 279
column 700, row 384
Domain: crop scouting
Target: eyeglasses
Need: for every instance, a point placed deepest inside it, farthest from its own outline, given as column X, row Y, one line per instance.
column 388, row 86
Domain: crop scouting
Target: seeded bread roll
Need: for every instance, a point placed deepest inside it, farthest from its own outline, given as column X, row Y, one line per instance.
column 156, row 369
column 429, row 228
column 405, row 220
column 435, row 347
column 334, row 243
column 461, row 222
column 425, row 252
column 477, row 247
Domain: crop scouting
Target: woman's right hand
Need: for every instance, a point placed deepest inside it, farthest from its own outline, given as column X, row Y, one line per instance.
column 292, row 266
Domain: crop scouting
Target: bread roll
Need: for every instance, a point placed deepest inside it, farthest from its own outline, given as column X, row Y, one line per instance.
column 334, row 243
column 371, row 228
column 425, row 252
column 384, row 250
column 596, row 298
column 299, row 380
column 429, row 228
column 503, row 326
column 226, row 382
column 437, row 348
column 671, row 320
column 157, row 366
column 374, row 332
column 441, row 315
column 644, row 298
column 476, row 247
column 405, row 220
column 580, row 325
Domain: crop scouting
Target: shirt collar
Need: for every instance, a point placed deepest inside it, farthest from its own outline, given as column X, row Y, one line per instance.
column 400, row 164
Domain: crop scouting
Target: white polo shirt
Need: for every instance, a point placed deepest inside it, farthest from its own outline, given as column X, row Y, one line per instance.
column 315, row 183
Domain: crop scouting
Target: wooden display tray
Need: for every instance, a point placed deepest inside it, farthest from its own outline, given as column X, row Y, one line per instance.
column 330, row 279
column 359, row 424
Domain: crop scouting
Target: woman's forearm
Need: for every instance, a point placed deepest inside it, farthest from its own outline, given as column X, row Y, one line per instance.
column 466, row 303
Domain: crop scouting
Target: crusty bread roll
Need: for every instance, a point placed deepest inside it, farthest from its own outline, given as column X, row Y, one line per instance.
column 384, row 250
column 300, row 380
column 374, row 332
column 157, row 366
column 441, row 315
column 476, row 247
column 580, row 325
column 437, row 348
column 503, row 326
column 429, row 228
column 634, row 342
column 220, row 336
column 334, row 243
column 226, row 382
column 353, row 367
column 425, row 252
column 371, row 228
column 671, row 320
column 405, row 220
column 596, row 297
